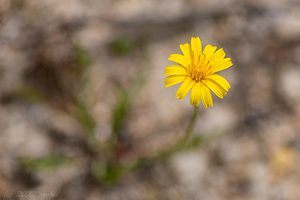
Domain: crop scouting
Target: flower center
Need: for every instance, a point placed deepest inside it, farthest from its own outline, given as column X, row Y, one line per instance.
column 196, row 75
column 199, row 69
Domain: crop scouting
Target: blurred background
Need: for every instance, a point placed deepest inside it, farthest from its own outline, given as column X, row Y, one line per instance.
column 84, row 113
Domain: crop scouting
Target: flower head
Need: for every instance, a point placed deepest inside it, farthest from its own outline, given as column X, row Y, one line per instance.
column 196, row 69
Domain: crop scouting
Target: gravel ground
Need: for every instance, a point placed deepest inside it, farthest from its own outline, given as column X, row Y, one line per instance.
column 76, row 73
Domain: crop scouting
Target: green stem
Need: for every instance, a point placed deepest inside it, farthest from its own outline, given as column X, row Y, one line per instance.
column 166, row 153
column 191, row 126
column 188, row 133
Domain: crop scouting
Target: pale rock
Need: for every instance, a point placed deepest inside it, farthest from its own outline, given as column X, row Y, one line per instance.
column 151, row 10
column 287, row 25
column 290, row 84
column 216, row 120
column 190, row 167
column 20, row 136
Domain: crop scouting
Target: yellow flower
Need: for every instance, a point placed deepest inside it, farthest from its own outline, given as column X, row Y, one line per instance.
column 197, row 70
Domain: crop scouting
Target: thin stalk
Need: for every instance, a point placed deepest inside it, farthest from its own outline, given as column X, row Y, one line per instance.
column 181, row 144
column 188, row 133
column 190, row 128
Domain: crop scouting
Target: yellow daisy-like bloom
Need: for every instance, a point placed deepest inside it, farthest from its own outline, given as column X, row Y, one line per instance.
column 196, row 69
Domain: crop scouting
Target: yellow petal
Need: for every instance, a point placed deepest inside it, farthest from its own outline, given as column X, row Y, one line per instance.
column 175, row 70
column 221, row 65
column 209, row 51
column 196, row 47
column 173, row 80
column 217, row 57
column 204, row 63
column 206, row 96
column 186, row 50
column 180, row 59
column 219, row 80
column 196, row 95
column 216, row 88
column 184, row 88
